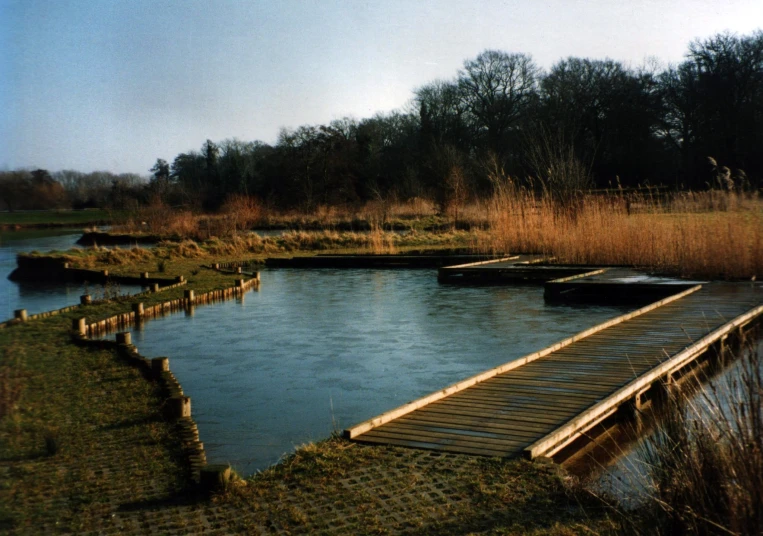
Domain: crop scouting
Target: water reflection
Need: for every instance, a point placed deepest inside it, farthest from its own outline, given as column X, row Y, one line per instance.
column 317, row 350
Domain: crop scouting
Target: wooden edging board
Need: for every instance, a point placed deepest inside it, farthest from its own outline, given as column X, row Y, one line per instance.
column 464, row 384
column 480, row 263
column 557, row 439
column 578, row 276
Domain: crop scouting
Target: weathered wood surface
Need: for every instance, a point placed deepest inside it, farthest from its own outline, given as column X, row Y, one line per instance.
column 540, row 402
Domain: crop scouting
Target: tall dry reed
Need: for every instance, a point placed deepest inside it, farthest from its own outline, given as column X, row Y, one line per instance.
column 690, row 236
column 701, row 471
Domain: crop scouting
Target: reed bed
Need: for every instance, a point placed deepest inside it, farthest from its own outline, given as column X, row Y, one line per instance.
column 709, row 234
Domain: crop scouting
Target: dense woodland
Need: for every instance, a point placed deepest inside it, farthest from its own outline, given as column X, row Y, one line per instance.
column 583, row 124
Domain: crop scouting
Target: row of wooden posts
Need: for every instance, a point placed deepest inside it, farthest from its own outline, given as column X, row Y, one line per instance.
column 177, row 405
column 21, row 315
column 140, row 312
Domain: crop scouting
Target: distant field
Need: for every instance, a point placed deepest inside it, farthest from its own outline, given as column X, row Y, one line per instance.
column 35, row 218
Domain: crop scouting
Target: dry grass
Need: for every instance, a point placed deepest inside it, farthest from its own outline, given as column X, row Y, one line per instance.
column 241, row 213
column 712, row 234
column 701, row 472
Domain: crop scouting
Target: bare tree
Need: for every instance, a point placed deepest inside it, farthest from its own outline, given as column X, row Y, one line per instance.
column 497, row 88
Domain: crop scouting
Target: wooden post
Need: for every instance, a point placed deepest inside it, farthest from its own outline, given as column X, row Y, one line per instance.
column 105, row 273
column 85, row 299
column 180, row 279
column 137, row 308
column 20, row 314
column 124, row 337
column 189, row 296
column 155, row 287
column 240, row 270
column 159, row 365
column 79, row 326
column 257, row 276
column 144, row 275
column 217, row 266
column 179, row 406
column 239, row 283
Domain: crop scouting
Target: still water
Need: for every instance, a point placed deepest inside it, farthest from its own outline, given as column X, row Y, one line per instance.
column 38, row 297
column 319, row 350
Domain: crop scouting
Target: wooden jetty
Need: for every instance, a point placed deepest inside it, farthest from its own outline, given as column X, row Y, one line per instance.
column 509, row 270
column 540, row 403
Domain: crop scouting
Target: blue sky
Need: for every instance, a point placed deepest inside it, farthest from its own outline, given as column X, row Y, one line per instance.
column 115, row 84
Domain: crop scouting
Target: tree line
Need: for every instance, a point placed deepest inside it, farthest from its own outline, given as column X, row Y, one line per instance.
column 40, row 189
column 582, row 124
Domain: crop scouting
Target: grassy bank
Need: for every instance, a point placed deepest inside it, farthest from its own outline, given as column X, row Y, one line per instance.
column 186, row 256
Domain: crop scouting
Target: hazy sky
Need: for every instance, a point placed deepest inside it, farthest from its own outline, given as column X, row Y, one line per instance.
column 115, row 84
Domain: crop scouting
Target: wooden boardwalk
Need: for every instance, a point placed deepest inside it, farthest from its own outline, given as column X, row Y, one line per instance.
column 538, row 404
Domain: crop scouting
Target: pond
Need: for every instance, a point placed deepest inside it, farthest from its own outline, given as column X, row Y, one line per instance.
column 315, row 351
column 37, row 297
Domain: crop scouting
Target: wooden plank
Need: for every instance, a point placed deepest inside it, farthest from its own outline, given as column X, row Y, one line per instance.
column 515, row 403
column 475, row 411
column 579, row 276
column 481, row 263
column 574, row 394
column 518, row 429
column 460, row 386
column 554, row 398
column 464, row 437
column 572, row 384
column 517, row 421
